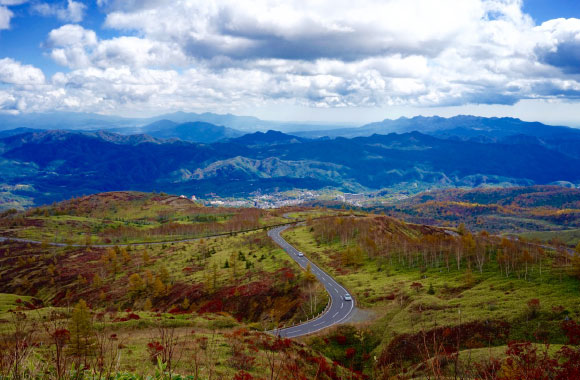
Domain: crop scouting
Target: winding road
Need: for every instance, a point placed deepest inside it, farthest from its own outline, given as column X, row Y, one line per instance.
column 339, row 310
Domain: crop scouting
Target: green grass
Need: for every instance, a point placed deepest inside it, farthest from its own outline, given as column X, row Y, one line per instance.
column 9, row 302
column 488, row 295
column 568, row 237
column 175, row 257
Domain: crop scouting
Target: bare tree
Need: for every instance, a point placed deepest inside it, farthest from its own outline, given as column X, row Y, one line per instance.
column 17, row 346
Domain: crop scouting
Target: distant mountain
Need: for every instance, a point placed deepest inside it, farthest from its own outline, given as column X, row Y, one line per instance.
column 17, row 131
column 44, row 138
column 268, row 138
column 65, row 120
column 462, row 126
column 196, row 131
column 59, row 164
column 128, row 125
column 246, row 123
column 477, row 129
column 242, row 123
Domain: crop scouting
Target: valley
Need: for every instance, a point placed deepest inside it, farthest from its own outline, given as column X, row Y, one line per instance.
column 191, row 250
column 289, row 190
column 203, row 307
column 218, row 164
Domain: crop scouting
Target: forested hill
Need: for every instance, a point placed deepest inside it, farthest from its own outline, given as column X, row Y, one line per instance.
column 52, row 165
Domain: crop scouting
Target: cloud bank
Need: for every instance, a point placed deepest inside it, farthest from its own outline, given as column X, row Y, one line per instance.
column 224, row 55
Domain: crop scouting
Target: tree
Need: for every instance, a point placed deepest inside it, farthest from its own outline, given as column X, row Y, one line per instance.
column 81, row 333
column 16, row 347
column 159, row 289
column 136, row 284
column 145, row 258
column 126, row 256
column 534, row 307
column 163, row 274
column 185, row 304
column 97, row 281
column 59, row 338
column 431, row 291
column 308, row 275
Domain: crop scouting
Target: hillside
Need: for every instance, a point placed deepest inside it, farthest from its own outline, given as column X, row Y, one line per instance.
column 200, row 305
column 54, row 165
column 192, row 131
column 513, row 210
column 446, row 302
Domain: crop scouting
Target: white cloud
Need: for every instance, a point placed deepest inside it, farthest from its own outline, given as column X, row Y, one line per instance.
column 226, row 55
column 73, row 11
column 5, row 17
column 136, row 52
column 70, row 45
column 12, row 2
column 13, row 72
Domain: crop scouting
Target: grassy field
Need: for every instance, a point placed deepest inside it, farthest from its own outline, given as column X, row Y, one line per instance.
column 213, row 297
column 235, row 287
column 569, row 237
column 447, row 298
column 234, row 269
column 485, row 295
column 129, row 217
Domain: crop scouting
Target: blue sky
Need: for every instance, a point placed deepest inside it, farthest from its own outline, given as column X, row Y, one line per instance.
column 544, row 10
column 293, row 60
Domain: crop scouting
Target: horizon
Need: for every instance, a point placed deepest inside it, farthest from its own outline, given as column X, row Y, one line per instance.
column 338, row 124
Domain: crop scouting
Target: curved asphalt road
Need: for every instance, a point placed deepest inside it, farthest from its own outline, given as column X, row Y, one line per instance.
column 339, row 310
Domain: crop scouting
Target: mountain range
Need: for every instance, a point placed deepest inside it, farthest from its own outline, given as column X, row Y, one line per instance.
column 202, row 158
column 128, row 125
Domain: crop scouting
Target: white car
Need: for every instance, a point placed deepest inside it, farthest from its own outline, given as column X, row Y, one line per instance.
column 300, row 254
column 347, row 297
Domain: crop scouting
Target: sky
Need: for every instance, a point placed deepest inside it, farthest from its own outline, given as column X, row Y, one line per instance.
column 333, row 61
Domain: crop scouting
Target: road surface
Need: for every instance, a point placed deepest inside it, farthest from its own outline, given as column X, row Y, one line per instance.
column 339, row 310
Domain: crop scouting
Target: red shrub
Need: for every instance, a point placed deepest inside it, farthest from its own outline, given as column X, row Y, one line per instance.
column 214, row 306
column 154, row 349
column 243, row 375
column 349, row 353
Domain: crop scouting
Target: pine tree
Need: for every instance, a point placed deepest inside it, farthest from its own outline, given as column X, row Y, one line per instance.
column 431, row 290
column 159, row 288
column 126, row 256
column 81, row 332
column 145, row 257
column 185, row 304
column 97, row 281
column 136, row 284
column 163, row 274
